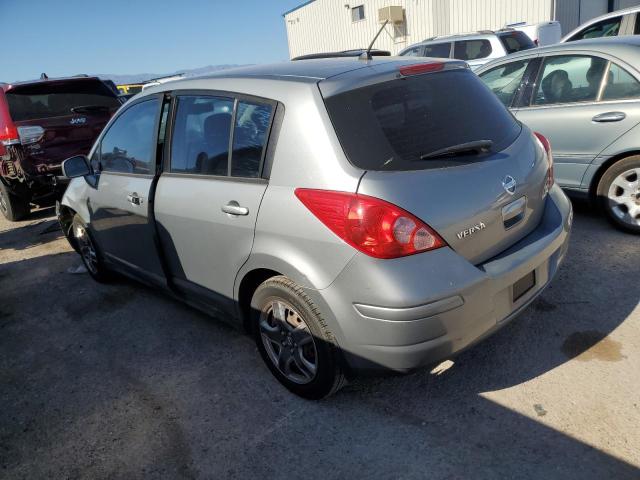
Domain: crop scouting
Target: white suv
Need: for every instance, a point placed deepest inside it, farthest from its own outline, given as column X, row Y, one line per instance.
column 476, row 48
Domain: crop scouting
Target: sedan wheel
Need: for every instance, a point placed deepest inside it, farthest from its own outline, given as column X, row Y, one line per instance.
column 288, row 341
column 624, row 197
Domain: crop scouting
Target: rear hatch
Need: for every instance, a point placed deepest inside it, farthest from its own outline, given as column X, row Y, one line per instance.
column 480, row 199
column 71, row 113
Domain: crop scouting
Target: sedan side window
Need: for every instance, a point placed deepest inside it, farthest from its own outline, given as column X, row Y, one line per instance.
column 438, row 50
column 505, row 80
column 620, row 85
column 128, row 146
column 250, row 134
column 200, row 142
column 412, row 52
column 606, row 28
column 472, row 49
column 569, row 79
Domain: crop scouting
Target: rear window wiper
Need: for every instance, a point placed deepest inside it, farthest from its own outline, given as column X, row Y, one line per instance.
column 90, row 109
column 476, row 147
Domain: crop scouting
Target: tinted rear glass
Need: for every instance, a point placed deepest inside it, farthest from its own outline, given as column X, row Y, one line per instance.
column 390, row 125
column 515, row 41
column 44, row 100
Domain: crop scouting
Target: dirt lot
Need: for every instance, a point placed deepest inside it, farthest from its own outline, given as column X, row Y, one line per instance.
column 118, row 381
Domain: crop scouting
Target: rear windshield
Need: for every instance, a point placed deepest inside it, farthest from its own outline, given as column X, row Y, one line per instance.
column 390, row 125
column 44, row 100
column 515, row 41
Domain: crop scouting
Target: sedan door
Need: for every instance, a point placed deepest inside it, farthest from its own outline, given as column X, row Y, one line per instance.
column 120, row 207
column 208, row 198
column 581, row 104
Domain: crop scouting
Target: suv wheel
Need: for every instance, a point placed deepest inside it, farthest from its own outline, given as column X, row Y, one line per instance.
column 88, row 251
column 294, row 340
column 12, row 207
column 619, row 194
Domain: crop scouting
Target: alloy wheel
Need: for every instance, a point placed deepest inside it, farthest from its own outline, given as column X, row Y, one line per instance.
column 288, row 341
column 87, row 250
column 624, row 197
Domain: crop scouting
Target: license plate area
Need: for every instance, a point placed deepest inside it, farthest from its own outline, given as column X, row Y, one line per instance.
column 522, row 286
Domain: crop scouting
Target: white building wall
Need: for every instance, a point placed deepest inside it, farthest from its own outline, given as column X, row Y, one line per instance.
column 325, row 25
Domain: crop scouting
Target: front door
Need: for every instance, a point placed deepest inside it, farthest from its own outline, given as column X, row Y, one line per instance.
column 208, row 197
column 579, row 113
column 120, row 203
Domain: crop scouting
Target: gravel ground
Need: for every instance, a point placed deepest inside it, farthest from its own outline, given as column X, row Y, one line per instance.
column 118, row 381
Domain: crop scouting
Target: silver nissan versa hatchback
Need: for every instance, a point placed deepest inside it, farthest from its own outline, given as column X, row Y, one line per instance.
column 352, row 214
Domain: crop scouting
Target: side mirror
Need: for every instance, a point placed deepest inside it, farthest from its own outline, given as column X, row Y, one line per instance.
column 77, row 166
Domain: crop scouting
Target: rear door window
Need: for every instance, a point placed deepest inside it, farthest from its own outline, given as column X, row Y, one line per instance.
column 504, row 80
column 438, row 50
column 605, row 28
column 620, row 85
column 250, row 133
column 569, row 79
column 472, row 49
column 56, row 99
column 515, row 41
column 129, row 144
column 391, row 125
column 200, row 143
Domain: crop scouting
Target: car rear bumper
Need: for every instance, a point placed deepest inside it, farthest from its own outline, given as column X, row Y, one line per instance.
column 405, row 313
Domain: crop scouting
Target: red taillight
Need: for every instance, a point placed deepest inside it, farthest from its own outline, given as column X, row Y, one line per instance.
column 419, row 68
column 373, row 226
column 547, row 148
column 8, row 131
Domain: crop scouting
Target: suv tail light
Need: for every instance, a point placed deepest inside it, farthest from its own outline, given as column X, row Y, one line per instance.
column 370, row 225
column 547, row 148
column 8, row 131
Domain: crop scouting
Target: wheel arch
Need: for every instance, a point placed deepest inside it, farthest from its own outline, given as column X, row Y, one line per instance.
column 246, row 288
column 597, row 176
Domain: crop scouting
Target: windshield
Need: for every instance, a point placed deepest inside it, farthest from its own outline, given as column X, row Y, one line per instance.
column 515, row 41
column 391, row 125
column 56, row 99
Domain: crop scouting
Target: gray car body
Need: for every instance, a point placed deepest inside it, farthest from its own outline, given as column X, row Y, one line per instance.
column 583, row 149
column 395, row 314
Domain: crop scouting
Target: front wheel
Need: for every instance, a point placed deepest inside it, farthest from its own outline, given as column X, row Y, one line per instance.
column 88, row 251
column 13, row 208
column 294, row 341
column 619, row 194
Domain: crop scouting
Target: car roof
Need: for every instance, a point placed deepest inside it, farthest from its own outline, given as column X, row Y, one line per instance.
column 465, row 36
column 305, row 71
column 77, row 78
column 623, row 47
column 623, row 11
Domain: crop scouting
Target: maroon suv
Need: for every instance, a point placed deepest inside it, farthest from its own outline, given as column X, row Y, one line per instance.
column 42, row 123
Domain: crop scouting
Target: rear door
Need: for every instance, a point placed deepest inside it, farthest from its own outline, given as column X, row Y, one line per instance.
column 580, row 110
column 71, row 112
column 208, row 197
column 120, row 206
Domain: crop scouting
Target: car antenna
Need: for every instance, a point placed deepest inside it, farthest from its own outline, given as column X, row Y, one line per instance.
column 44, row 76
column 367, row 54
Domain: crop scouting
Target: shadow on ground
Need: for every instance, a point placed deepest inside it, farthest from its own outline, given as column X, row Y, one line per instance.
column 119, row 381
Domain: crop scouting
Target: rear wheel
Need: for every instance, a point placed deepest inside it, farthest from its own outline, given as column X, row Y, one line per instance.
column 294, row 341
column 13, row 208
column 88, row 251
column 619, row 194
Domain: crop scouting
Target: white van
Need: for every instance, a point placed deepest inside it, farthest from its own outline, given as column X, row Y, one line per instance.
column 542, row 34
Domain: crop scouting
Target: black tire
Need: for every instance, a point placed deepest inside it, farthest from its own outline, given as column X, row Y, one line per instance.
column 612, row 211
column 83, row 238
column 13, row 208
column 329, row 373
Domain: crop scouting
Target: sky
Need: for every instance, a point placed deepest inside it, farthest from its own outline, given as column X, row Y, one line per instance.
column 67, row 37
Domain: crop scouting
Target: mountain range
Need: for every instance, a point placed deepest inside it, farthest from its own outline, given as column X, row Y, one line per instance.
column 141, row 77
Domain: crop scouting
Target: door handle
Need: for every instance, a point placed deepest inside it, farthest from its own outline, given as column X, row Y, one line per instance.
column 134, row 199
column 609, row 117
column 234, row 208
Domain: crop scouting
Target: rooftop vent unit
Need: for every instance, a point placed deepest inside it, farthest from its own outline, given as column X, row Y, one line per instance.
column 392, row 14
